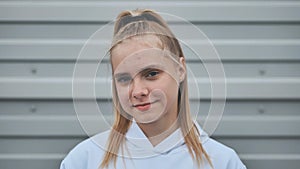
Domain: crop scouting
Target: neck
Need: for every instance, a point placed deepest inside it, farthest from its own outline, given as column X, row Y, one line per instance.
column 159, row 130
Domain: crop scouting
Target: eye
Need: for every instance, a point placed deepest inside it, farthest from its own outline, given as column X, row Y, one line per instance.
column 152, row 74
column 123, row 79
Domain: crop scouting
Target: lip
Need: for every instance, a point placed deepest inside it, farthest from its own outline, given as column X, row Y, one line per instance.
column 144, row 106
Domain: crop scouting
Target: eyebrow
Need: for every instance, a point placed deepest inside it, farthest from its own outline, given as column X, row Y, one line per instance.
column 141, row 70
column 121, row 75
column 151, row 67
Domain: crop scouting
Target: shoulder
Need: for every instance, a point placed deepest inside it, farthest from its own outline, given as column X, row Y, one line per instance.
column 87, row 153
column 222, row 156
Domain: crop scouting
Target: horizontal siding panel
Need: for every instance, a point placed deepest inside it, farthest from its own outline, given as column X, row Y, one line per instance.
column 271, row 163
column 45, row 107
column 54, row 163
column 261, row 146
column 48, row 126
column 229, row 50
column 263, row 126
column 193, row 11
column 232, row 69
column 61, row 88
column 69, row 126
column 241, row 31
column 31, row 156
column 34, row 163
column 65, row 107
column 14, row 147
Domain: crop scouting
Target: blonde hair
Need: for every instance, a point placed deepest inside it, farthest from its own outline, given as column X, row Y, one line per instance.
column 138, row 23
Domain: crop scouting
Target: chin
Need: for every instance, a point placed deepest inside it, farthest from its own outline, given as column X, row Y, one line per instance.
column 147, row 120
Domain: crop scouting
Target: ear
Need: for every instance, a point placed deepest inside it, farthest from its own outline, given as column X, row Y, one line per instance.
column 182, row 69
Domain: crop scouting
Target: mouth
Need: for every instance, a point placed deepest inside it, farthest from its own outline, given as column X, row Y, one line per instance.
column 144, row 106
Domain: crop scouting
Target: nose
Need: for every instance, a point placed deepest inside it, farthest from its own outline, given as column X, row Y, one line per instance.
column 139, row 89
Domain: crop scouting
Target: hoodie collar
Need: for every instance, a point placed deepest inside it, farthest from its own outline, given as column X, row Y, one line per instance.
column 139, row 146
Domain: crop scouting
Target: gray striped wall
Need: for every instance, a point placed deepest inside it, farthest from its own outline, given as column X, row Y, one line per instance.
column 258, row 42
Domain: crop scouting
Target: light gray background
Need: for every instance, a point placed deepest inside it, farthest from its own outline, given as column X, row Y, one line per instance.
column 258, row 42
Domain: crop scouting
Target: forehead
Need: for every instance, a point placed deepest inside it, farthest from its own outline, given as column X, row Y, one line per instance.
column 150, row 58
column 134, row 56
column 133, row 45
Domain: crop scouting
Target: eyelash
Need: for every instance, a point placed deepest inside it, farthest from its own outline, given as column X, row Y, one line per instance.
column 151, row 74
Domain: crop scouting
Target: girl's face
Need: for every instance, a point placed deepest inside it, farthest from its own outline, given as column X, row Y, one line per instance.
column 147, row 80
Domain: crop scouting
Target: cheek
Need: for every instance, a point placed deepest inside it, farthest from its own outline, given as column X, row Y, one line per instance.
column 171, row 92
column 123, row 95
column 157, row 93
column 165, row 93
